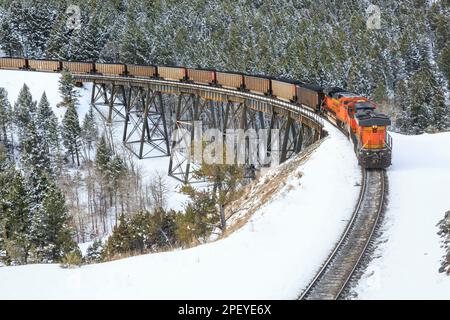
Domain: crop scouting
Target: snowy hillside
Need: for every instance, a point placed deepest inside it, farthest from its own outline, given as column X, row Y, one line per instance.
column 273, row 255
column 409, row 252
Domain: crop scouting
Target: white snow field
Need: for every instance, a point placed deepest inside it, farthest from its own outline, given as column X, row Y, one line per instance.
column 274, row 255
column 419, row 195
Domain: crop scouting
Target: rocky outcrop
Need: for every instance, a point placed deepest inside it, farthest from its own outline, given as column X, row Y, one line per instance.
column 444, row 233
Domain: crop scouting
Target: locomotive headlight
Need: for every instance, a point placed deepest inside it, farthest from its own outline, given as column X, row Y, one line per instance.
column 374, row 129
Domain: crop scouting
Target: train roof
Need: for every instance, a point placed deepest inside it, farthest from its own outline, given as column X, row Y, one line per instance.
column 313, row 87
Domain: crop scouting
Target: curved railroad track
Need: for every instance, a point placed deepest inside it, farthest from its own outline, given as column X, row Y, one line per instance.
column 340, row 266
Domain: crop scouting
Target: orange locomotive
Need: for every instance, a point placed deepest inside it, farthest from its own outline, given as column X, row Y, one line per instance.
column 366, row 127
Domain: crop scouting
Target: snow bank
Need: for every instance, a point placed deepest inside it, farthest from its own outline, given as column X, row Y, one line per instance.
column 409, row 257
column 274, row 255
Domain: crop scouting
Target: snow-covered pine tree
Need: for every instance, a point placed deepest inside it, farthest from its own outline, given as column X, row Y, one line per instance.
column 5, row 116
column 58, row 44
column 71, row 133
column 134, row 46
column 35, row 155
column 6, row 177
column 402, row 103
column 47, row 126
column 55, row 236
column 69, row 94
column 103, row 157
column 24, row 110
column 89, row 131
column 421, row 93
column 40, row 22
column 94, row 252
column 16, row 221
column 9, row 41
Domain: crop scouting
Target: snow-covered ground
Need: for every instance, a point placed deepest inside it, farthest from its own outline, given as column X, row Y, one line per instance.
column 419, row 195
column 274, row 255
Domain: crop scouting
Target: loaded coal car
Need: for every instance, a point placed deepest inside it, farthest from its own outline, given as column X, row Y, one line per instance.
column 309, row 95
column 201, row 76
column 44, row 65
column 13, row 63
column 283, row 89
column 230, row 80
column 141, row 71
column 78, row 67
column 110, row 69
column 172, row 73
column 259, row 85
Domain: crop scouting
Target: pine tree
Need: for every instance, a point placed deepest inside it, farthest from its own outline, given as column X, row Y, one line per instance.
column 421, row 93
column 7, row 173
column 67, row 90
column 103, row 157
column 16, row 222
column 24, row 110
column 94, row 252
column 90, row 130
column 120, row 241
column 35, row 150
column 134, row 47
column 9, row 41
column 58, row 44
column 441, row 110
column 71, row 133
column 47, row 126
column 55, row 237
column 5, row 116
column 403, row 104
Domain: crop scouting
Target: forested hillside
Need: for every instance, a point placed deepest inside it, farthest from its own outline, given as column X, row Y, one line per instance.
column 403, row 65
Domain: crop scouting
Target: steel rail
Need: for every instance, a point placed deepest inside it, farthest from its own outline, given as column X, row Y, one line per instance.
column 339, row 249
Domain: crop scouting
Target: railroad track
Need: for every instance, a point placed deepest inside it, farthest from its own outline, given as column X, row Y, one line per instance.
column 340, row 266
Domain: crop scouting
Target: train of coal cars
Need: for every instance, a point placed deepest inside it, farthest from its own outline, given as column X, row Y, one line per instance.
column 350, row 111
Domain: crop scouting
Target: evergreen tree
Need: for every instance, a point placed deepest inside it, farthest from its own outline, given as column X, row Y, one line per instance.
column 421, row 93
column 35, row 150
column 5, row 116
column 69, row 94
column 90, row 130
column 103, row 157
column 134, row 47
column 54, row 236
column 16, row 221
column 6, row 177
column 441, row 110
column 47, row 125
column 58, row 44
column 94, row 252
column 24, row 110
column 9, row 41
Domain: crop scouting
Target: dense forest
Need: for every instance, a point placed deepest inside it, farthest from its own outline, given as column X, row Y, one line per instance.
column 403, row 63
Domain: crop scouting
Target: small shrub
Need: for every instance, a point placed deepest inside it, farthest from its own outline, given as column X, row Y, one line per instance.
column 71, row 260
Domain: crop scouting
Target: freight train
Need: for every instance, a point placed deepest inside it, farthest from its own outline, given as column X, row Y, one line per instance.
column 353, row 113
